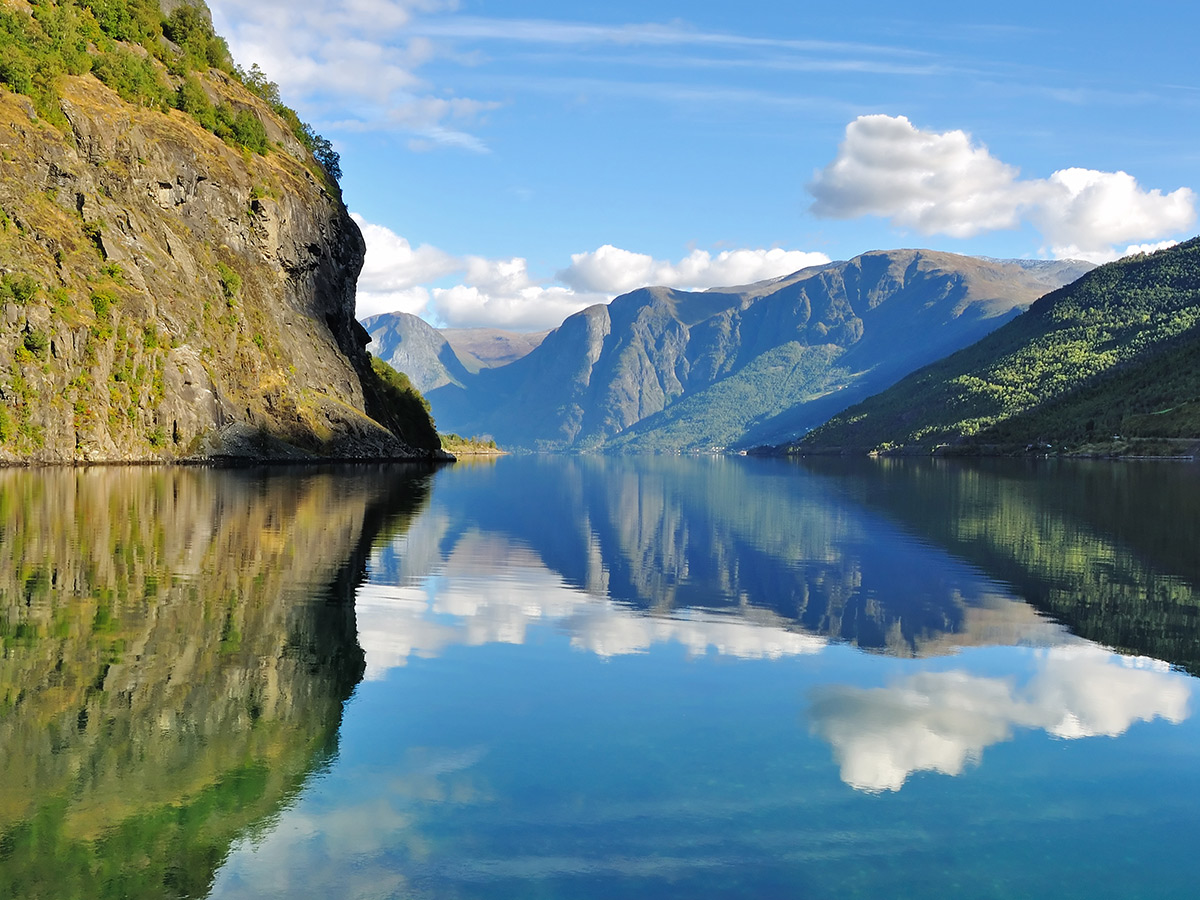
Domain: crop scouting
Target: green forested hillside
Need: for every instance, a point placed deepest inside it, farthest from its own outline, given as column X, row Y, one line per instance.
column 1151, row 405
column 1114, row 354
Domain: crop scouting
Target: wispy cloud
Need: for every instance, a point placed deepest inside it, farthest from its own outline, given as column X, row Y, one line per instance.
column 548, row 31
column 358, row 66
column 354, row 65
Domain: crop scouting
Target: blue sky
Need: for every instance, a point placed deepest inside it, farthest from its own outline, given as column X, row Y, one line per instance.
column 511, row 162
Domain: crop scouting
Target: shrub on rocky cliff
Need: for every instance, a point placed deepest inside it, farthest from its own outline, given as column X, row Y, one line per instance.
column 401, row 407
column 147, row 59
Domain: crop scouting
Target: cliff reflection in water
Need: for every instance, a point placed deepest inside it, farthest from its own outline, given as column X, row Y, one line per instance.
column 177, row 646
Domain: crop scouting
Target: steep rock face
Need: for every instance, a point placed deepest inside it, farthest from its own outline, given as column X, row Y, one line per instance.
column 179, row 296
column 661, row 369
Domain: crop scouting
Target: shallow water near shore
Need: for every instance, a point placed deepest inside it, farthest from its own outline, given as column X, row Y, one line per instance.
column 587, row 677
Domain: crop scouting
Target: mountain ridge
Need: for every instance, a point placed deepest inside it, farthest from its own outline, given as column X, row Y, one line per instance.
column 661, row 369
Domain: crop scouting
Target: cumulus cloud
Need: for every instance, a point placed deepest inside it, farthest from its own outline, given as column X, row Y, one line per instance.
column 1087, row 212
column 613, row 270
column 398, row 277
column 943, row 721
column 501, row 293
column 354, row 63
column 945, row 183
column 394, row 272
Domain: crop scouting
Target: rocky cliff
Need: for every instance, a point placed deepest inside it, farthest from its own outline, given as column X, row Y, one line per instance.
column 168, row 294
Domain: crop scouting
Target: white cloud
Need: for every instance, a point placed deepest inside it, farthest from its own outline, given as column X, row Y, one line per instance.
column 503, row 296
column 1091, row 211
column 497, row 293
column 501, row 293
column 943, row 183
column 611, row 270
column 648, row 34
column 1149, row 248
column 943, row 721
column 393, row 264
column 394, row 273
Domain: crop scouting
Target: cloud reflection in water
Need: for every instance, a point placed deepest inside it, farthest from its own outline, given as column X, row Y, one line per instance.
column 941, row 721
column 399, row 622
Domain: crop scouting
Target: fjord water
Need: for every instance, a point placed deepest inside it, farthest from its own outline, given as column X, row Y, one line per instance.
column 586, row 677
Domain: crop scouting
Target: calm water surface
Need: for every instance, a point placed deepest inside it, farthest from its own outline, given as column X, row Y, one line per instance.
column 601, row 678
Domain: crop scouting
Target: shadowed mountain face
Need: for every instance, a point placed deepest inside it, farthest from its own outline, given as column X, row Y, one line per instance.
column 177, row 647
column 660, row 369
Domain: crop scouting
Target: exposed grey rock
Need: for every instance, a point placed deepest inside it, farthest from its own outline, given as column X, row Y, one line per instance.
column 189, row 292
column 661, row 369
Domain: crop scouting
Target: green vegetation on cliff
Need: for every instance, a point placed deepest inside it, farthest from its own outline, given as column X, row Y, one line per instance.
column 1115, row 353
column 456, row 443
column 149, row 59
column 394, row 402
column 177, row 268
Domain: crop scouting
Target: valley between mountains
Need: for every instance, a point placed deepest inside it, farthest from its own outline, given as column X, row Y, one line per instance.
column 663, row 370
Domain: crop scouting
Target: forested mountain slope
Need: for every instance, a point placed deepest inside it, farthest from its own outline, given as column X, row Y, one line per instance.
column 1114, row 355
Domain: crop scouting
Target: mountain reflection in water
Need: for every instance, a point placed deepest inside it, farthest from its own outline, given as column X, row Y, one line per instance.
column 898, row 556
column 592, row 678
column 673, row 538
column 765, row 589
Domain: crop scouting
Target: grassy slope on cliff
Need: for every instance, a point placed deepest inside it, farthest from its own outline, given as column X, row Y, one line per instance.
column 149, row 59
column 1111, row 351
